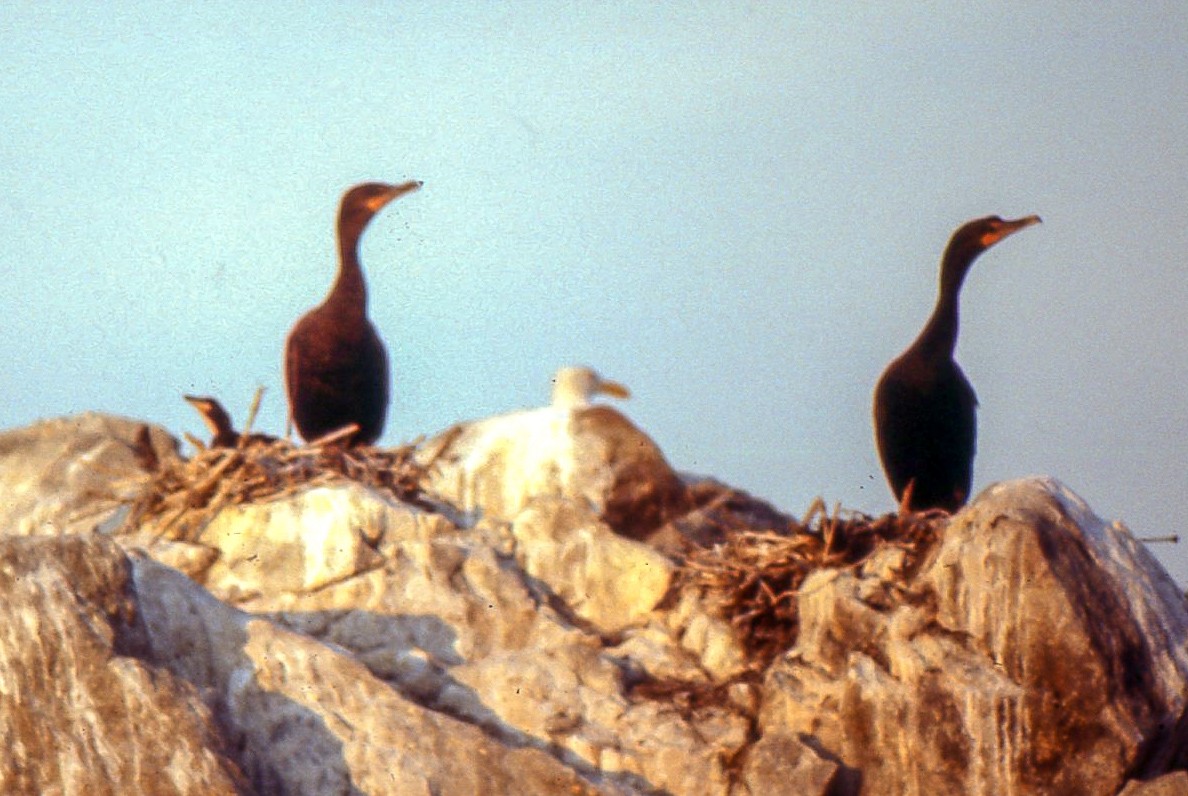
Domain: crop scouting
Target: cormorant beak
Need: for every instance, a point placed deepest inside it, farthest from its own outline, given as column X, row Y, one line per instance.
column 206, row 410
column 198, row 402
column 1008, row 228
column 612, row 388
column 375, row 203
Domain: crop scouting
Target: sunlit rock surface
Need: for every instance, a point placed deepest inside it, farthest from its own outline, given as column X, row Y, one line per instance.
column 65, row 475
column 1174, row 784
column 82, row 708
column 336, row 640
column 309, row 717
column 1037, row 651
column 607, row 580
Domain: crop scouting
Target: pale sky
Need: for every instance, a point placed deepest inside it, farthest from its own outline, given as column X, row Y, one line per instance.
column 736, row 210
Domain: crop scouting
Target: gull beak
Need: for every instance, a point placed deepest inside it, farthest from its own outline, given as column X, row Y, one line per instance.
column 613, row 388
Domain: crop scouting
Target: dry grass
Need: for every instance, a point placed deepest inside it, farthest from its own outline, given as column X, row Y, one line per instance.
column 753, row 578
column 181, row 495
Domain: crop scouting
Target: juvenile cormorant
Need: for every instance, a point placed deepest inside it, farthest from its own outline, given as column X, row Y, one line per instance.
column 216, row 418
column 336, row 368
column 924, row 408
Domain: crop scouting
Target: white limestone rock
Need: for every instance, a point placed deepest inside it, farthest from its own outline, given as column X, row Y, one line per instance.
column 69, row 474
column 310, row 719
column 260, row 554
column 1038, row 651
column 351, row 643
column 607, row 580
column 711, row 639
column 81, row 711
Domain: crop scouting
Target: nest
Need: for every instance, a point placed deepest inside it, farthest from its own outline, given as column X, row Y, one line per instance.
column 182, row 495
column 753, row 578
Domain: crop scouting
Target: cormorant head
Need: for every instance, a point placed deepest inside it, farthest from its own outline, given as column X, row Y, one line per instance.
column 213, row 414
column 974, row 237
column 577, row 386
column 362, row 202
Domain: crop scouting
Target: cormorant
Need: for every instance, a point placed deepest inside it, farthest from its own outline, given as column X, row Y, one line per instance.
column 924, row 407
column 336, row 368
column 216, row 418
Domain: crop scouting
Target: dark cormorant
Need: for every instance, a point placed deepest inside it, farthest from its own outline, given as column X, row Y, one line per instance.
column 216, row 418
column 336, row 368
column 924, row 407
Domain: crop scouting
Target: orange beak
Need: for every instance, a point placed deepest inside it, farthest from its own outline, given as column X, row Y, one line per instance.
column 375, row 203
column 1008, row 228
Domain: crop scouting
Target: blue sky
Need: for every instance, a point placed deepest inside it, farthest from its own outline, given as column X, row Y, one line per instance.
column 736, row 210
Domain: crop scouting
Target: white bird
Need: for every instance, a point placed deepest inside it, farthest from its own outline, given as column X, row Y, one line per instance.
column 577, row 386
column 572, row 448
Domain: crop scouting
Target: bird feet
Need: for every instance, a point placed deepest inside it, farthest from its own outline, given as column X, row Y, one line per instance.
column 905, row 500
column 905, row 506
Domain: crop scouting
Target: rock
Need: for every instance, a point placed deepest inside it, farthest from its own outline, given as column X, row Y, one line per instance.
column 195, row 560
column 337, row 640
column 712, row 640
column 69, row 474
column 464, row 631
column 780, row 765
column 80, row 711
column 310, row 719
column 607, row 580
column 1174, row 784
column 260, row 554
column 1038, row 651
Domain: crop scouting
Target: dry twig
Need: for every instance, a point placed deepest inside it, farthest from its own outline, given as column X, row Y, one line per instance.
column 753, row 578
column 182, row 495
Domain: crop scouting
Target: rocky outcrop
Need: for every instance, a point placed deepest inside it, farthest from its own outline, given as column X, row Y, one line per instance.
column 463, row 624
column 336, row 640
column 310, row 717
column 1039, row 651
column 81, row 709
column 66, row 475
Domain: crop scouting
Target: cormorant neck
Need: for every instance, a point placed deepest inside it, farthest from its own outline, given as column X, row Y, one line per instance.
column 939, row 337
column 349, row 290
